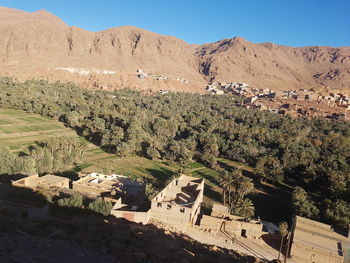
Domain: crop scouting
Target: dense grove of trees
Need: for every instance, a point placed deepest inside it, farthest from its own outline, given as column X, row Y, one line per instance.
column 314, row 154
column 51, row 156
column 98, row 205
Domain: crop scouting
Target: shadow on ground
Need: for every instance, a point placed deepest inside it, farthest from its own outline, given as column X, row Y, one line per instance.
column 95, row 238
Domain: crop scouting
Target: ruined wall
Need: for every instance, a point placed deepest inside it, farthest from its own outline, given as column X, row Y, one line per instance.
column 196, row 207
column 173, row 215
column 166, row 191
column 252, row 229
column 177, row 214
column 211, row 223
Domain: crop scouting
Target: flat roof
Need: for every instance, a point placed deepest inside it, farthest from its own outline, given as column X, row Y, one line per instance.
column 50, row 178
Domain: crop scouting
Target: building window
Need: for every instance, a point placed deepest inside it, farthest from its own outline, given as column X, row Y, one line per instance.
column 169, row 207
column 159, row 204
column 182, row 210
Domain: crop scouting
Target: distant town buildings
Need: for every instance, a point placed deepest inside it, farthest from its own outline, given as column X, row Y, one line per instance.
column 293, row 103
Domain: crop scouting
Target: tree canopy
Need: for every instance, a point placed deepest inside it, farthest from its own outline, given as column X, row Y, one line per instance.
column 182, row 127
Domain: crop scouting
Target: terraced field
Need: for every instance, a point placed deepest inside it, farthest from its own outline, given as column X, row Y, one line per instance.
column 19, row 129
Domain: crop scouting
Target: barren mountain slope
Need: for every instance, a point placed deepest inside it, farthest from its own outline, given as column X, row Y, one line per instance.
column 38, row 43
column 267, row 65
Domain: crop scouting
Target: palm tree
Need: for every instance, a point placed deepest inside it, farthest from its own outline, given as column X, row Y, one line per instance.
column 224, row 182
column 245, row 208
column 231, row 186
column 241, row 186
column 233, row 181
column 244, row 186
column 283, row 231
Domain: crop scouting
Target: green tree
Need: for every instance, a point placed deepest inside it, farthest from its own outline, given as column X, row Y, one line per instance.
column 269, row 168
column 7, row 160
column 244, row 208
column 72, row 201
column 303, row 205
column 224, row 182
column 339, row 212
column 242, row 186
column 101, row 206
column 24, row 165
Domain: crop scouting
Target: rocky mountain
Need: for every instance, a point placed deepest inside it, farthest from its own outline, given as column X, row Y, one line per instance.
column 274, row 66
column 40, row 45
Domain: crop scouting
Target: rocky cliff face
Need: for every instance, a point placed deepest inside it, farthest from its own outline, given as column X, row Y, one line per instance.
column 274, row 66
column 38, row 44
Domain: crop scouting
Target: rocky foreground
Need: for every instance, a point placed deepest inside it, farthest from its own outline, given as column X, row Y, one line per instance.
column 93, row 239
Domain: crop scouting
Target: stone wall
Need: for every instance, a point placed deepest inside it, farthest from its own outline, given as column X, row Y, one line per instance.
column 236, row 228
column 196, row 207
column 26, row 181
column 174, row 217
column 134, row 216
column 220, row 211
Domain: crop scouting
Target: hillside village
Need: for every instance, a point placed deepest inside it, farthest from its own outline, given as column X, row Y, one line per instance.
column 179, row 207
column 294, row 103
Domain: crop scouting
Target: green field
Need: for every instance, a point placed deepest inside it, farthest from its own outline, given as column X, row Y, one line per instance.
column 19, row 129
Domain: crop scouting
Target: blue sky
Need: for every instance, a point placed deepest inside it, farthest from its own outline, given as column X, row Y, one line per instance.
column 285, row 22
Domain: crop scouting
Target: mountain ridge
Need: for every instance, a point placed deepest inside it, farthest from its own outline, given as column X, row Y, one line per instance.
column 37, row 44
